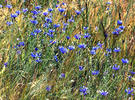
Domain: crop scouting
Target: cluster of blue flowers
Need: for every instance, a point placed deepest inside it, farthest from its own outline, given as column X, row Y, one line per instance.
column 18, row 47
column 95, row 48
column 120, row 29
column 129, row 91
column 83, row 90
column 36, row 55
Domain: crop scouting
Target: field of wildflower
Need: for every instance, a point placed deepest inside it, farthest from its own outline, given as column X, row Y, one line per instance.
column 67, row 50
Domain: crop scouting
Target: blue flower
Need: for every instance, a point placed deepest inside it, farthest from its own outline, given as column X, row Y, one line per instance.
column 61, row 10
column 87, row 35
column 63, row 29
column 71, row 19
column 71, row 47
column 21, row 43
column 80, row 68
column 93, row 52
column 65, row 15
column 78, row 12
column 108, row 3
column 106, row 54
column 62, row 75
column 50, row 35
column 33, row 34
column 1, row 6
column 33, row 55
column 108, row 8
column 56, row 58
column 95, row 48
column 48, row 20
column 118, row 30
column 63, row 3
column 116, row 67
column 51, row 31
column 48, row 88
column 129, row 77
column 115, row 33
column 38, row 7
column 35, row 22
column 132, row 72
column 25, row 10
column 38, row 60
column 95, row 72
column 18, row 52
column 50, row 9
column 34, row 12
column 65, row 24
column 9, row 23
column 129, row 90
column 116, row 50
column 125, row 61
column 38, row 54
column 67, row 37
column 45, row 13
column 62, row 49
column 100, row 45
column 51, row 15
column 56, row 25
column 14, row 15
column 34, row 16
column 36, row 49
column 82, row 9
column 82, row 46
column 57, row 6
column 5, row 64
column 104, row 93
column 109, row 50
column 18, row 45
column 18, row 12
column 9, row 6
column 121, row 27
column 46, row 25
column 15, row 47
column 119, row 22
column 37, row 31
column 83, row 90
column 77, row 36
column 85, row 28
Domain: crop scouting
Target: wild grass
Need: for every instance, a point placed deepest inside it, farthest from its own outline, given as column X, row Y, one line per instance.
column 33, row 67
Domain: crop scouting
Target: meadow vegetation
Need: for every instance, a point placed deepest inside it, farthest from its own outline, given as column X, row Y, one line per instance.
column 67, row 49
